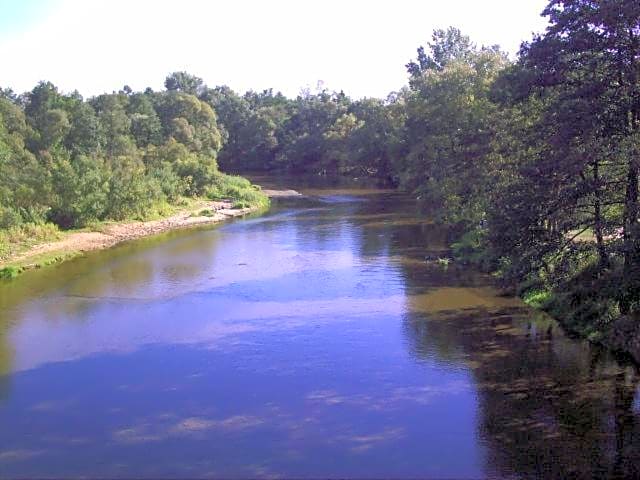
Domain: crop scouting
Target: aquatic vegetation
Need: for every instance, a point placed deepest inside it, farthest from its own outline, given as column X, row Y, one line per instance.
column 9, row 273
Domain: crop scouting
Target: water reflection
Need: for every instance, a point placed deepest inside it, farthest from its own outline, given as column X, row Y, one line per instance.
column 312, row 342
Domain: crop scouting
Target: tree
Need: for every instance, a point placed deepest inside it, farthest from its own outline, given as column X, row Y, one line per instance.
column 80, row 190
column 445, row 47
column 377, row 145
column 184, row 82
column 449, row 134
column 145, row 122
column 23, row 194
column 85, row 136
column 115, row 124
column 590, row 54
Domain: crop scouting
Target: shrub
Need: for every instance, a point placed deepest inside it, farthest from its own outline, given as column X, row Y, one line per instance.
column 9, row 273
column 237, row 189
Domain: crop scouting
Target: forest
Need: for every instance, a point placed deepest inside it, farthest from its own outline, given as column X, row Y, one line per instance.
column 533, row 162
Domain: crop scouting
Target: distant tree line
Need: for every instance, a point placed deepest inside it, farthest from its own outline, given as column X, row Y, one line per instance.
column 534, row 161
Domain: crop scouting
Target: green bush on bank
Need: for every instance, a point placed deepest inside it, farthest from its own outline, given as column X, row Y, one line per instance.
column 237, row 189
column 470, row 248
column 537, row 298
column 9, row 273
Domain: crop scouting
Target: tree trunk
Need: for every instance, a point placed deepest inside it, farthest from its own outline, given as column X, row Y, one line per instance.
column 630, row 236
column 603, row 259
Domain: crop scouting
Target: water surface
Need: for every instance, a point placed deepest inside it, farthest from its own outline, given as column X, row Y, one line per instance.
column 311, row 342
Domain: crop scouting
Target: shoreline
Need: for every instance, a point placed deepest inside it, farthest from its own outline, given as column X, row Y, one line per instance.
column 109, row 234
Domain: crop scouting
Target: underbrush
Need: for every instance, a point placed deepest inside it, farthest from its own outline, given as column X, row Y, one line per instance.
column 239, row 190
column 571, row 287
column 470, row 248
column 537, row 298
column 15, row 239
column 19, row 238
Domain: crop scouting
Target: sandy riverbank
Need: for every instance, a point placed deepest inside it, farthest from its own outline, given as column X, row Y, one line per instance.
column 110, row 234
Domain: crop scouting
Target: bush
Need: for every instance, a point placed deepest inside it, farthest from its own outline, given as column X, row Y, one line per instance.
column 471, row 248
column 132, row 194
column 9, row 217
column 81, row 188
column 237, row 189
column 537, row 298
column 9, row 273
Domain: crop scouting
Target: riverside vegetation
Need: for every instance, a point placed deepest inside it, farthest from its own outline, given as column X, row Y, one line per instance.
column 534, row 162
column 67, row 163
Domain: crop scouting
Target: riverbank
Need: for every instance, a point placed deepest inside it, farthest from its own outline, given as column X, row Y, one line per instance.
column 104, row 235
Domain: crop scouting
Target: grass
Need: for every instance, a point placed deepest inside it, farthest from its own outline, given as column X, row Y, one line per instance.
column 9, row 273
column 584, row 236
column 20, row 238
column 206, row 212
column 12, row 270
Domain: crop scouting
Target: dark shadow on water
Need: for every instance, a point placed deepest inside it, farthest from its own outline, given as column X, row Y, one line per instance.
column 550, row 407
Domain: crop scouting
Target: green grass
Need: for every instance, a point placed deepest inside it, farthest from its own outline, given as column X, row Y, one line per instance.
column 20, row 238
column 14, row 269
column 206, row 212
column 9, row 273
column 584, row 236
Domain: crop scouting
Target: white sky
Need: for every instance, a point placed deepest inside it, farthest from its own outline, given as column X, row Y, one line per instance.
column 358, row 46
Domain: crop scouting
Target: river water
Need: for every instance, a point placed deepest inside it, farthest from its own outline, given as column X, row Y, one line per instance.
column 313, row 341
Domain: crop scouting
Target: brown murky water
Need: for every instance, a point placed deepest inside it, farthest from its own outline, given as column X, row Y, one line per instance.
column 311, row 342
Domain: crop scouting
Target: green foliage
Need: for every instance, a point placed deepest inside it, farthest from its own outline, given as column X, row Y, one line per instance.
column 534, row 163
column 205, row 213
column 115, row 156
column 446, row 46
column 13, row 238
column 471, row 248
column 320, row 132
column 131, row 193
column 537, row 298
column 184, row 82
column 449, row 135
column 9, row 273
column 80, row 190
column 238, row 189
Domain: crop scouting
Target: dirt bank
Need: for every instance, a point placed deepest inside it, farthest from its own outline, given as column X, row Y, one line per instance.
column 110, row 234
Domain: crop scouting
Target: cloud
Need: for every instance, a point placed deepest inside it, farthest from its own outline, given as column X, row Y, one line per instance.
column 159, row 429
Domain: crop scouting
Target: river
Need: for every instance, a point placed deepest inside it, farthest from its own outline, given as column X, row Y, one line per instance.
column 312, row 341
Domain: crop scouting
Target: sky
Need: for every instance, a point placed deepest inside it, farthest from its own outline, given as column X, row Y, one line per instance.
column 358, row 46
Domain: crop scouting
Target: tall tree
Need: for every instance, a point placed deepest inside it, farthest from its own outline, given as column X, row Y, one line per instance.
column 591, row 54
column 184, row 82
column 449, row 127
